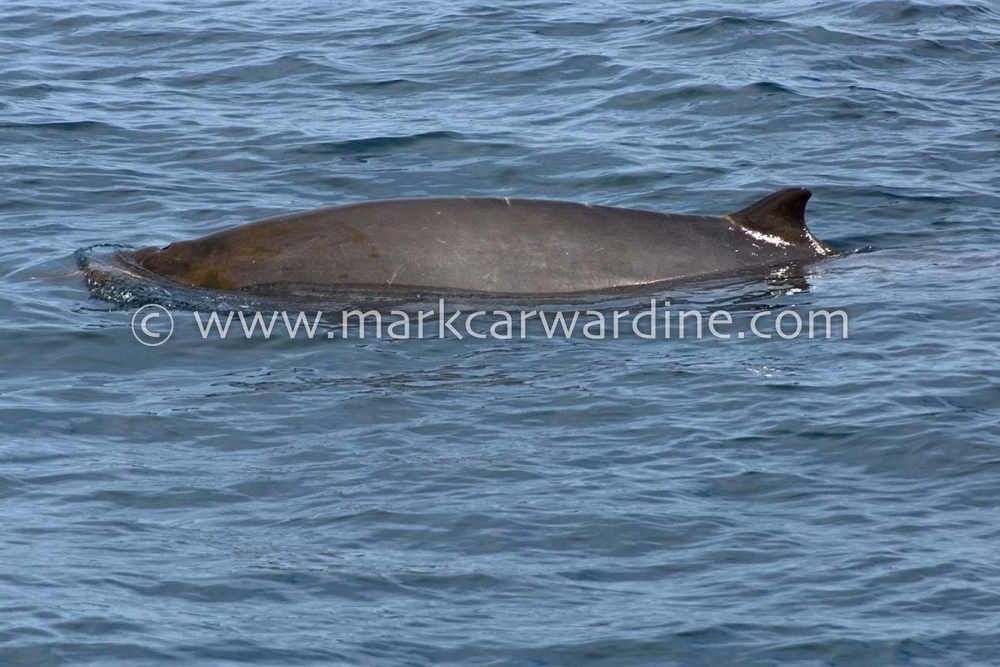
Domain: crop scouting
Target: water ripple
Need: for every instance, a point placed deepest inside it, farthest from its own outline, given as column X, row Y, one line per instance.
column 503, row 502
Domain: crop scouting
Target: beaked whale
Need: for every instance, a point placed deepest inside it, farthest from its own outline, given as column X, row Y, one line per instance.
column 491, row 246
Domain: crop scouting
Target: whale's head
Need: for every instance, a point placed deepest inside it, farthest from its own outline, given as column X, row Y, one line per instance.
column 185, row 262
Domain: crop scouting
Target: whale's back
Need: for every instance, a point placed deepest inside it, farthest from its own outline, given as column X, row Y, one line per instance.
column 496, row 245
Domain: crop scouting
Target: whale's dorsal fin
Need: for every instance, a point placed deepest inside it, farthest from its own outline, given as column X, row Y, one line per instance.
column 782, row 214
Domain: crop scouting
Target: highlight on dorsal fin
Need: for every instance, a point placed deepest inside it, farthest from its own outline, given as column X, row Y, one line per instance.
column 782, row 214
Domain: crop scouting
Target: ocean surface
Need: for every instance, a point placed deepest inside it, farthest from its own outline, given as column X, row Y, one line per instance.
column 536, row 501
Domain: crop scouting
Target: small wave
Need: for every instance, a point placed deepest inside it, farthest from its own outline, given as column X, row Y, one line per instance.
column 725, row 25
column 63, row 126
column 281, row 69
column 909, row 12
column 697, row 93
column 354, row 147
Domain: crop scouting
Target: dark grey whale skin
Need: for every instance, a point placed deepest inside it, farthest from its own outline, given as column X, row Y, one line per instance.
column 491, row 245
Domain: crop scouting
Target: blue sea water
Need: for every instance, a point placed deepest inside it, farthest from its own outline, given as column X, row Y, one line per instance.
column 524, row 502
